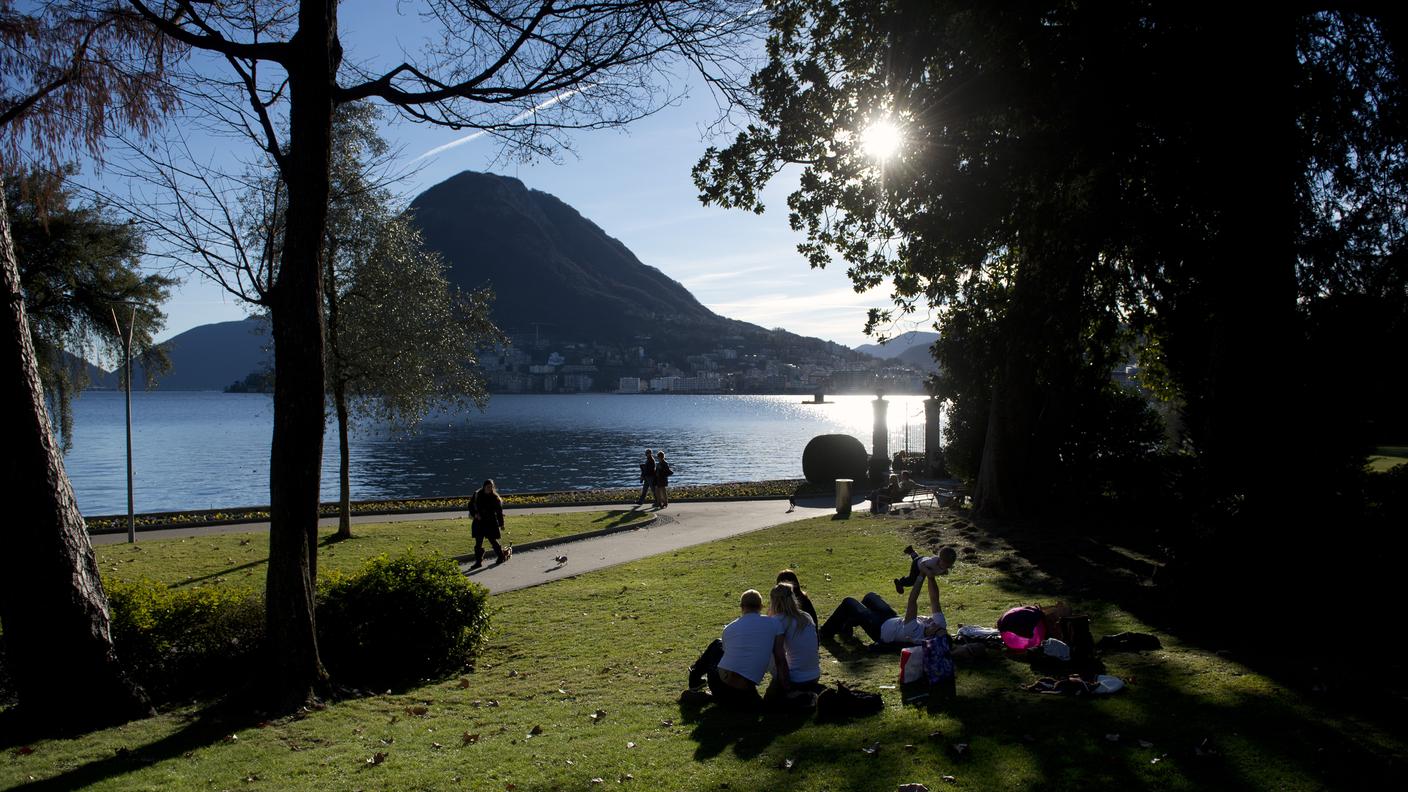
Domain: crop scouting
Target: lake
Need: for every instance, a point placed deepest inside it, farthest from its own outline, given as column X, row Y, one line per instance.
column 198, row 450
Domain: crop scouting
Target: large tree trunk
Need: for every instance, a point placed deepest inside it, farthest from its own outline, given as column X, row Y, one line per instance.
column 295, row 465
column 58, row 643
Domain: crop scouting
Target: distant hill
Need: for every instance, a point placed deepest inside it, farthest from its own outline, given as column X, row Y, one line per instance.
column 210, row 357
column 556, row 271
column 97, row 378
column 918, row 356
column 900, row 344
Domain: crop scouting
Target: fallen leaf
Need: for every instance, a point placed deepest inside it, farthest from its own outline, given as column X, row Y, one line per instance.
column 788, row 764
column 667, row 723
column 513, row 673
column 1112, row 737
column 469, row 739
column 912, row 788
column 630, row 744
column 535, row 731
column 436, row 745
column 1145, row 744
column 960, row 748
column 598, row 781
column 24, row 750
column 492, row 703
column 377, row 758
column 464, row 682
column 627, row 777
column 598, row 715
column 872, row 751
column 419, row 710
column 949, row 779
column 910, row 748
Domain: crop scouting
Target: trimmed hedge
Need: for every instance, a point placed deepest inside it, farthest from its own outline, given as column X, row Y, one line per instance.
column 184, row 642
column 833, row 456
column 400, row 620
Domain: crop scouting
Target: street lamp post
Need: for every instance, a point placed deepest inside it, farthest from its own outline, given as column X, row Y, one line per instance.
column 127, row 389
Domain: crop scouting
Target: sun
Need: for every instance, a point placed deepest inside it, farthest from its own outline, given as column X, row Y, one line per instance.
column 882, row 139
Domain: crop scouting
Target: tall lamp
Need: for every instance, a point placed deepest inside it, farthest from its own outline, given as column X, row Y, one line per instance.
column 127, row 389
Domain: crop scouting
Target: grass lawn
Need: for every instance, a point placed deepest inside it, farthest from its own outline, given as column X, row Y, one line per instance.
column 577, row 690
column 240, row 559
column 1387, row 457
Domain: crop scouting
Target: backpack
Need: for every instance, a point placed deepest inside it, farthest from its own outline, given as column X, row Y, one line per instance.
column 1075, row 632
column 844, row 703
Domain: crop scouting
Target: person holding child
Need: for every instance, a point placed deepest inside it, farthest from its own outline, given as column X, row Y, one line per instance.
column 874, row 615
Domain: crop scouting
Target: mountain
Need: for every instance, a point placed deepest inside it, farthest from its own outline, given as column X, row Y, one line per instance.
column 212, row 356
column 900, row 344
column 556, row 272
column 918, row 357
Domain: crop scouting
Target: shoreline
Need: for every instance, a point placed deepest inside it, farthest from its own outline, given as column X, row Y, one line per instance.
column 195, row 518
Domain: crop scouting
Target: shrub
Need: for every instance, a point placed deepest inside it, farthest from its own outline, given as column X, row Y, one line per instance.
column 179, row 643
column 400, row 620
column 832, row 456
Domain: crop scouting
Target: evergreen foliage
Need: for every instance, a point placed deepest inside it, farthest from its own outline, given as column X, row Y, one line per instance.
column 834, row 456
column 78, row 264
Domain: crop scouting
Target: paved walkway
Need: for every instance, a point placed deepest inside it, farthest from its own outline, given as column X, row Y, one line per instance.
column 680, row 525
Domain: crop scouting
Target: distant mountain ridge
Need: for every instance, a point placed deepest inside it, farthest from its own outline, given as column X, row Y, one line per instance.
column 212, row 356
column 549, row 266
column 900, row 344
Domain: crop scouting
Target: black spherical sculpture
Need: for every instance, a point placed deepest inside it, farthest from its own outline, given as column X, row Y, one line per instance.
column 832, row 456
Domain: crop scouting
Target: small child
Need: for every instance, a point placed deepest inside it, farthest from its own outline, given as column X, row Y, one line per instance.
column 925, row 565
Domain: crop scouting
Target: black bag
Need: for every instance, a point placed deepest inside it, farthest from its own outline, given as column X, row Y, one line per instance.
column 1075, row 631
column 844, row 703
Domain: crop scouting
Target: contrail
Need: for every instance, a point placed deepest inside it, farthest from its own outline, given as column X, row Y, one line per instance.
column 482, row 132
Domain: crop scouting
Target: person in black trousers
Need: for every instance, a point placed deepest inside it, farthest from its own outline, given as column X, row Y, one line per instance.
column 486, row 521
column 647, row 478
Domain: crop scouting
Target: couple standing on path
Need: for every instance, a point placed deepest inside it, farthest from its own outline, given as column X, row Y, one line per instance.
column 486, row 521
column 655, row 475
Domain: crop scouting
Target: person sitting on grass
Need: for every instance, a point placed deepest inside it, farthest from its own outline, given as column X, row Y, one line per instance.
column 803, row 601
column 886, row 628
column 925, row 565
column 735, row 664
column 798, row 640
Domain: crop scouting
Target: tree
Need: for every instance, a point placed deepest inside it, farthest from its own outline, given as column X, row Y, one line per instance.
column 400, row 338
column 77, row 265
column 71, row 74
column 1070, row 175
column 524, row 70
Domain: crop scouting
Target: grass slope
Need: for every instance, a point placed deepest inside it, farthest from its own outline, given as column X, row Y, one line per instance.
column 577, row 691
column 241, row 559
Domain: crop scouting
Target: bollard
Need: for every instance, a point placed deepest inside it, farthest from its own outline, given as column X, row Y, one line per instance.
column 843, row 497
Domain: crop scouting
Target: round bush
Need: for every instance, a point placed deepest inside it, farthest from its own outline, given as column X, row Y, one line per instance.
column 184, row 642
column 400, row 620
column 832, row 456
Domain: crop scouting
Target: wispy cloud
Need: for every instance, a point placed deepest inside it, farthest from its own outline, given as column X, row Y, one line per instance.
column 565, row 95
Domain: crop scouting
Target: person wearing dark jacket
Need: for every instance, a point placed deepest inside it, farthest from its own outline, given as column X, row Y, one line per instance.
column 663, row 471
column 647, row 478
column 486, row 521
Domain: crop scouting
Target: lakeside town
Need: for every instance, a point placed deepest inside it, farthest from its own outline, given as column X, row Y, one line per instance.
column 542, row 365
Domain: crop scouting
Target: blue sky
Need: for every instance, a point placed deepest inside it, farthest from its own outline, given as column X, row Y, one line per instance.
column 635, row 184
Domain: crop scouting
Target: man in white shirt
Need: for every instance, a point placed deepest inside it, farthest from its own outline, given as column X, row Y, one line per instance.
column 734, row 665
column 874, row 615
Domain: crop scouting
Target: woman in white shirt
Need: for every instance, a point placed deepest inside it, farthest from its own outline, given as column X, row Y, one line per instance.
column 799, row 645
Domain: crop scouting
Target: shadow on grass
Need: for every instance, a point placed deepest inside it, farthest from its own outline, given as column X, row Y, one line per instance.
column 619, row 517
column 206, row 727
column 716, row 728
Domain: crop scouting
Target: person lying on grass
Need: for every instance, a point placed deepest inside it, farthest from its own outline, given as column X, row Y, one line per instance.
column 735, row 664
column 886, row 628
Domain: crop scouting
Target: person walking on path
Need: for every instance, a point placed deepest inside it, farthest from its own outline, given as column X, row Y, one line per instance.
column 486, row 521
column 663, row 471
column 647, row 478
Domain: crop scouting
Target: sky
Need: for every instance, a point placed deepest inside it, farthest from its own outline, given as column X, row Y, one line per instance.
column 635, row 184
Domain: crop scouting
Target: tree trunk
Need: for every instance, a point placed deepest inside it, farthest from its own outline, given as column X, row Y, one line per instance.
column 344, row 501
column 295, row 465
column 57, row 637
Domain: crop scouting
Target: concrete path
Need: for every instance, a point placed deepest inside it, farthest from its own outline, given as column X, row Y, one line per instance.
column 680, row 525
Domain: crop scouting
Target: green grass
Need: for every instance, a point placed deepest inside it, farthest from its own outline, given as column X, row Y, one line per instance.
column 1386, row 458
column 240, row 558
column 619, row 641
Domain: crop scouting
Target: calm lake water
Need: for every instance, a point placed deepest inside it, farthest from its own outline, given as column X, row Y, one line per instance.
column 196, row 450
